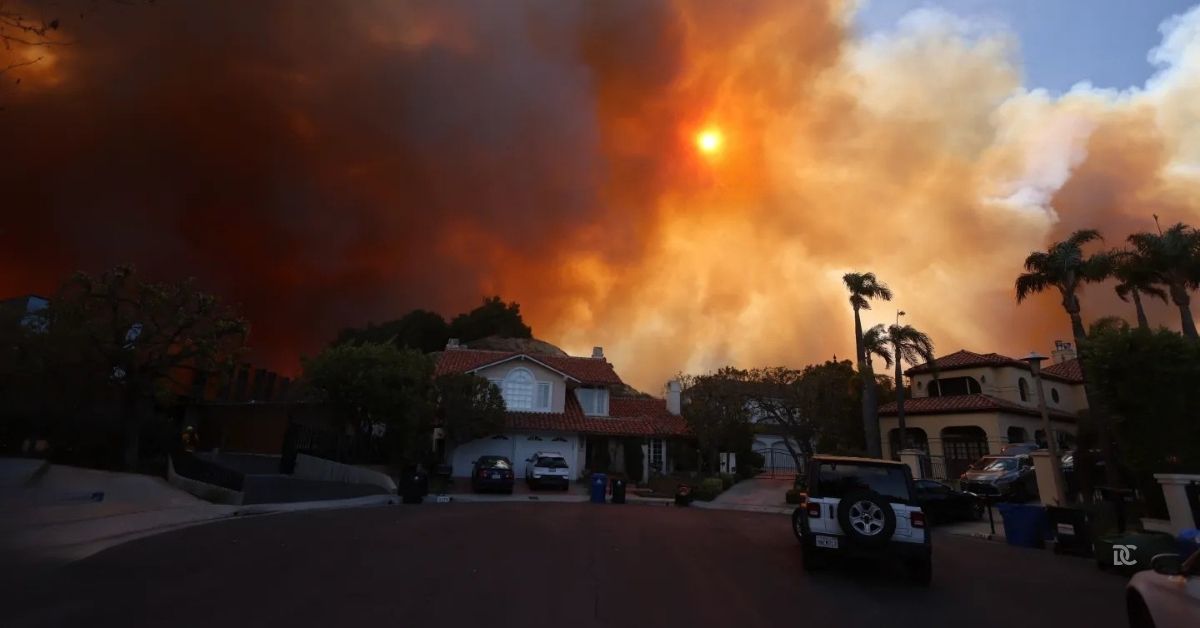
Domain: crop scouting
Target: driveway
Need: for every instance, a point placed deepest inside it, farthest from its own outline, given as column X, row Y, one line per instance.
column 756, row 494
column 522, row 564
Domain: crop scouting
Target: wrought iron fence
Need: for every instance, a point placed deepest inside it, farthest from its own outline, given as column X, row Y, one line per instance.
column 777, row 463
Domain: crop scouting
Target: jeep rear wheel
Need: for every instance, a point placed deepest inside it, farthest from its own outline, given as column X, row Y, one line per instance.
column 798, row 517
column 866, row 518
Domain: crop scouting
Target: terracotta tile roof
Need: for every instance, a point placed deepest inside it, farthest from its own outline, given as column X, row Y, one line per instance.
column 1071, row 371
column 592, row 371
column 963, row 359
column 629, row 417
column 955, row 404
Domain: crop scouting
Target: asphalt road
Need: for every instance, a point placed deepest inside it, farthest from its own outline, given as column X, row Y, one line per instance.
column 545, row 565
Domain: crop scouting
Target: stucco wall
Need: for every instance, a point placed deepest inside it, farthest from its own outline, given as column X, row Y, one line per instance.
column 994, row 424
column 314, row 468
column 1004, row 384
column 558, row 389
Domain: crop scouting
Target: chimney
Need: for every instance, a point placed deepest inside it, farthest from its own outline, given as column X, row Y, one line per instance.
column 598, row 353
column 674, row 391
column 453, row 344
column 1063, row 351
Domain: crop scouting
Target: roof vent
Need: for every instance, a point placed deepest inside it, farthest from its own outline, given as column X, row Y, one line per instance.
column 598, row 353
column 453, row 344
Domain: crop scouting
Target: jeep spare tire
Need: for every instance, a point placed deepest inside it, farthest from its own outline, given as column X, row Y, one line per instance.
column 867, row 519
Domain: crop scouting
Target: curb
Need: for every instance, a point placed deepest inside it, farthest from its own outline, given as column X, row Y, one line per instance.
column 325, row 504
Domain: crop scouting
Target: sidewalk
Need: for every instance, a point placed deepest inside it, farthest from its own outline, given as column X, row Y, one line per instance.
column 753, row 495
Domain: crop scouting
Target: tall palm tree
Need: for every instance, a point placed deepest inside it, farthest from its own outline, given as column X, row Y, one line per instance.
column 863, row 287
column 1136, row 278
column 896, row 345
column 1064, row 267
column 1174, row 257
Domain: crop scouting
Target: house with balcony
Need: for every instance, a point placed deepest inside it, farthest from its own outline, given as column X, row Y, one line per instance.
column 576, row 406
column 965, row 405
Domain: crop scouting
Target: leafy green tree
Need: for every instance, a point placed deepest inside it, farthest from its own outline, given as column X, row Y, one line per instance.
column 863, row 287
column 384, row 389
column 419, row 329
column 1064, row 267
column 492, row 318
column 138, row 340
column 468, row 407
column 1174, row 258
column 1136, row 278
column 717, row 413
column 1147, row 379
column 819, row 404
column 897, row 345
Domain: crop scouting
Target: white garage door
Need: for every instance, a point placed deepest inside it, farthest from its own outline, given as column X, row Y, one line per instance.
column 466, row 454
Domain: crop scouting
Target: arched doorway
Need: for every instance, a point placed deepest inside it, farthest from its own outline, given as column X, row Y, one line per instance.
column 963, row 445
column 917, row 439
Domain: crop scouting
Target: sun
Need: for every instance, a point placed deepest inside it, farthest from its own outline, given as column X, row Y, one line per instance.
column 709, row 141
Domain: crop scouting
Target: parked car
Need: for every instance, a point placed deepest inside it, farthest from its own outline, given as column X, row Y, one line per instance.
column 1167, row 595
column 492, row 473
column 1001, row 477
column 547, row 468
column 942, row 504
column 863, row 507
column 1019, row 449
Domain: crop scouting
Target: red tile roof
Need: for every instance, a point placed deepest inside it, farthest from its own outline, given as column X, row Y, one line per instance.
column 628, row 417
column 963, row 359
column 1071, row 371
column 592, row 371
column 955, row 404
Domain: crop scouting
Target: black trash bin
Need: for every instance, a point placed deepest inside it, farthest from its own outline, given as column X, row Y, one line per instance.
column 618, row 491
column 414, row 486
column 1072, row 531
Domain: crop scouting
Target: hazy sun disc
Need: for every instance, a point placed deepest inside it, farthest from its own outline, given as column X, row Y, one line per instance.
column 709, row 141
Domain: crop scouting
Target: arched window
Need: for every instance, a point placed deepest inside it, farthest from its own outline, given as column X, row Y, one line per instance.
column 1023, row 388
column 517, row 389
column 1054, row 394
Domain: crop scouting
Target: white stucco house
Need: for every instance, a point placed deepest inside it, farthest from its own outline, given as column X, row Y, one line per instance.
column 979, row 402
column 571, row 405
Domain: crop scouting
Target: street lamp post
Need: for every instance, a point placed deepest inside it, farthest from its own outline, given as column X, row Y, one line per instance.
column 1034, row 359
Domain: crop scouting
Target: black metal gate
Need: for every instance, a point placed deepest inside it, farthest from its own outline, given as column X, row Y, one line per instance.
column 777, row 463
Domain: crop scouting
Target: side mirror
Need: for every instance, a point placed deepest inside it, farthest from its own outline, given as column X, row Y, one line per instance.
column 1167, row 564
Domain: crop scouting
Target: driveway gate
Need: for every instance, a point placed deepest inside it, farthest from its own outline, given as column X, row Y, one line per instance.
column 777, row 463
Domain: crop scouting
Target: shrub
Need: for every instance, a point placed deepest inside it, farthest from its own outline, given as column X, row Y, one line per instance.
column 793, row 496
column 749, row 464
column 709, row 489
column 727, row 480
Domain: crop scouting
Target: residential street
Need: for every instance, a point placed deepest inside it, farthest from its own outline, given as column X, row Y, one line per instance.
column 521, row 564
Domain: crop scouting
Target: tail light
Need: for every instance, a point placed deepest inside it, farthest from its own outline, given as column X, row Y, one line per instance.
column 918, row 519
column 814, row 510
column 483, row 473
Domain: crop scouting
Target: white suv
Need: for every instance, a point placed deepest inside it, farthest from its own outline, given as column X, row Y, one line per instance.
column 547, row 468
column 862, row 506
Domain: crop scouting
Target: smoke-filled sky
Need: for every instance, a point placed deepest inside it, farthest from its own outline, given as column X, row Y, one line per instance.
column 324, row 164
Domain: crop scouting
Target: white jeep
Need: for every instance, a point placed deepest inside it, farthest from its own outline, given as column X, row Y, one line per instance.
column 862, row 506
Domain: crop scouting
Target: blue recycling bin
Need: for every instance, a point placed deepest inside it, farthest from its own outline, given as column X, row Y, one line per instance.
column 1025, row 525
column 599, row 485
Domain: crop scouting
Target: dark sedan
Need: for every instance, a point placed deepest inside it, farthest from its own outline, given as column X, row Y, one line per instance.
column 492, row 473
column 943, row 504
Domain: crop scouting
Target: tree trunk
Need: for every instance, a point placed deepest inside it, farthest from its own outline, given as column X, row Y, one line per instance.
column 1143, row 322
column 1180, row 296
column 870, row 397
column 900, row 405
column 1098, row 413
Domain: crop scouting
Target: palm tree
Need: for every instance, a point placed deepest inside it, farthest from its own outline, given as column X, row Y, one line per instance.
column 863, row 287
column 896, row 345
column 1064, row 267
column 1174, row 258
column 1136, row 278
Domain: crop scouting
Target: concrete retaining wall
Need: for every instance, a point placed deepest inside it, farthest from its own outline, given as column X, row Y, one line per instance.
column 313, row 468
column 209, row 492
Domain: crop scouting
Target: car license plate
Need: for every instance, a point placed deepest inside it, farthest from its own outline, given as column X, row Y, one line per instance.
column 830, row 542
column 495, row 476
column 1066, row 528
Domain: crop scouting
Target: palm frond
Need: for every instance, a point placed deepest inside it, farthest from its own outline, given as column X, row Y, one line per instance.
column 1029, row 284
column 1082, row 237
column 877, row 343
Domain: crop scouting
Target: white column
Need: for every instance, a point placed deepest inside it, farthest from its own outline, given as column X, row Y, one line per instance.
column 1174, row 487
column 912, row 458
column 1047, row 479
